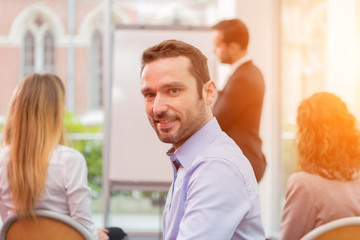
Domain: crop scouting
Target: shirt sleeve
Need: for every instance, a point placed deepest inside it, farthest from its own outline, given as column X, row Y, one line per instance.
column 77, row 191
column 216, row 202
column 299, row 212
column 3, row 211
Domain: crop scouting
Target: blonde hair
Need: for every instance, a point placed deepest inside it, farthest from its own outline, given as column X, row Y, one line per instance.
column 33, row 128
column 328, row 138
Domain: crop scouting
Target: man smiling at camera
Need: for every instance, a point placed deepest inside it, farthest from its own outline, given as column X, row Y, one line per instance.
column 214, row 194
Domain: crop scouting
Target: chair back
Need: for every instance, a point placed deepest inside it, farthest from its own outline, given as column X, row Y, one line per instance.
column 45, row 225
column 344, row 228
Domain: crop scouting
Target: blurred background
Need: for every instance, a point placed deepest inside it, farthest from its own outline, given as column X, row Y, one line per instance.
column 302, row 47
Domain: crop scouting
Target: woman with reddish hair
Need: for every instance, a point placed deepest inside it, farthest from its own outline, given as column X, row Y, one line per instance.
column 327, row 185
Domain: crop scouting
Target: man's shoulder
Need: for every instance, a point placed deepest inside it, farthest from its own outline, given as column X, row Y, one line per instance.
column 224, row 149
column 248, row 74
column 248, row 68
column 225, row 158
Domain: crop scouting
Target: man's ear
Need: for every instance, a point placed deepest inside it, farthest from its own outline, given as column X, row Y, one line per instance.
column 209, row 92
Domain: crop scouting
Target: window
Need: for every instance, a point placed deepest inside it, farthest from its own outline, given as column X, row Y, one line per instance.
column 38, row 53
column 49, row 56
column 319, row 53
column 29, row 53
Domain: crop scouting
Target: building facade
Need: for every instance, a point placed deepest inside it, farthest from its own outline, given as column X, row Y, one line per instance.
column 65, row 38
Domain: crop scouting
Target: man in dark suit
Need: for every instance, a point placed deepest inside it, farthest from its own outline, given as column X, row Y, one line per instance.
column 239, row 104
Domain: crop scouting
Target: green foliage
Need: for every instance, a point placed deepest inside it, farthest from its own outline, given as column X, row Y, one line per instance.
column 91, row 149
column 73, row 125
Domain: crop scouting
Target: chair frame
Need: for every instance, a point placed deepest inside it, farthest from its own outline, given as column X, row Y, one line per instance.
column 52, row 215
column 336, row 224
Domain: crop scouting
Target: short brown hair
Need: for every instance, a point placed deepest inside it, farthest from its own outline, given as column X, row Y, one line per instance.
column 174, row 48
column 234, row 30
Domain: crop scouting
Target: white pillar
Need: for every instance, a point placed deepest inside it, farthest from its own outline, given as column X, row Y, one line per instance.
column 341, row 54
column 357, row 58
column 263, row 21
column 107, row 99
column 71, row 57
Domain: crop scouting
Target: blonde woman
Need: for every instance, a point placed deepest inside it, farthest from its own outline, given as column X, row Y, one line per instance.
column 36, row 170
column 327, row 187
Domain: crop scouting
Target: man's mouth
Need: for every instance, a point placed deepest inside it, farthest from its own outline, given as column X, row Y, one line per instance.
column 165, row 124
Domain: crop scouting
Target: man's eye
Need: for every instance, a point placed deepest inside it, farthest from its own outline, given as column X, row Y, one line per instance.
column 148, row 96
column 174, row 91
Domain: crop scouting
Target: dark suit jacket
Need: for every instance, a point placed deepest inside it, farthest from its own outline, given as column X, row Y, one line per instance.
column 238, row 111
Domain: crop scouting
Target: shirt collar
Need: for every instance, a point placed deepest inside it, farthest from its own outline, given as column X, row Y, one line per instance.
column 187, row 152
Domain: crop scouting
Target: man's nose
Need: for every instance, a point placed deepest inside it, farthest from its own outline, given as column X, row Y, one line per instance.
column 159, row 104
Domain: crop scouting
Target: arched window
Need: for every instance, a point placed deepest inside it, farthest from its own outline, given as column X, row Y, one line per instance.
column 49, row 52
column 96, row 74
column 28, row 53
column 38, row 52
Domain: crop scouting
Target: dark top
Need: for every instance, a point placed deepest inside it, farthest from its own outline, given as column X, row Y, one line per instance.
column 238, row 111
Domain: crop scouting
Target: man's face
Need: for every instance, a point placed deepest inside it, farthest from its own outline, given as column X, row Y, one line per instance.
column 172, row 102
column 220, row 48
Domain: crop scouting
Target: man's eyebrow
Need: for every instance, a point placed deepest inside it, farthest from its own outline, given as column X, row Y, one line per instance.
column 174, row 85
column 145, row 90
column 165, row 86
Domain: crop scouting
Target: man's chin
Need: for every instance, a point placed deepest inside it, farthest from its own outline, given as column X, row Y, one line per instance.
column 165, row 138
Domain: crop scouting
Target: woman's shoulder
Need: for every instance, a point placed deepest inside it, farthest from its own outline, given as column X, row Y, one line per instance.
column 64, row 152
column 66, row 149
column 304, row 179
column 302, row 175
column 4, row 149
column 310, row 182
column 4, row 154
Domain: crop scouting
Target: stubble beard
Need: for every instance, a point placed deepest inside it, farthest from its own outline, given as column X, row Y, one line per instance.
column 185, row 129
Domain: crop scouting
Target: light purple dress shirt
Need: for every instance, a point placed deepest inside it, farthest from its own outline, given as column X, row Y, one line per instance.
column 214, row 194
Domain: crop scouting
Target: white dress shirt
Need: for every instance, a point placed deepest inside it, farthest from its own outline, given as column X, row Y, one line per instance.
column 66, row 189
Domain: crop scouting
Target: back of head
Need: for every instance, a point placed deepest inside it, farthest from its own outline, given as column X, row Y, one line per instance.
column 234, row 31
column 328, row 138
column 33, row 128
column 174, row 48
